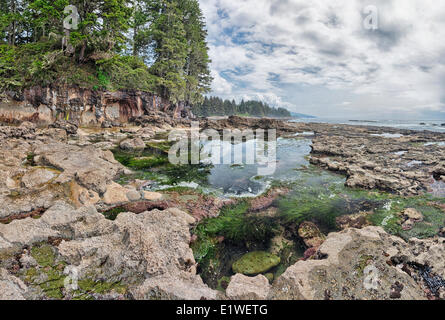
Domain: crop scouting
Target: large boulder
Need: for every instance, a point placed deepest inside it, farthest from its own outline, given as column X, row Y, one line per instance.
column 354, row 264
column 311, row 234
column 147, row 255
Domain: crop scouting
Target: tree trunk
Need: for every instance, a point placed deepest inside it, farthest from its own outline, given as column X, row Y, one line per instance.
column 135, row 51
column 14, row 23
column 82, row 51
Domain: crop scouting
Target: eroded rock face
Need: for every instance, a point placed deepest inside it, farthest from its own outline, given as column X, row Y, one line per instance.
column 363, row 263
column 81, row 106
column 148, row 254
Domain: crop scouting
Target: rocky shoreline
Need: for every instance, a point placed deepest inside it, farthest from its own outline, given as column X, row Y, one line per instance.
column 61, row 188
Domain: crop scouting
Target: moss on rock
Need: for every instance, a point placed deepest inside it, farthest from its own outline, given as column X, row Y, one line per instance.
column 44, row 255
column 256, row 262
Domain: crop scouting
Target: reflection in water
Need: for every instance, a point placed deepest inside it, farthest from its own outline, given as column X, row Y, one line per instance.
column 243, row 180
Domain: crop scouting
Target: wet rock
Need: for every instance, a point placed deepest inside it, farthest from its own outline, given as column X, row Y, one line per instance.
column 311, row 234
column 270, row 277
column 155, row 119
column 408, row 225
column 242, row 123
column 279, row 242
column 136, row 144
column 248, row 288
column 358, row 221
column 429, row 252
column 352, row 264
column 256, row 262
column 264, row 202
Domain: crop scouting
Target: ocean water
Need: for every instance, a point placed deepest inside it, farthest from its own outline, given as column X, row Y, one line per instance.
column 418, row 125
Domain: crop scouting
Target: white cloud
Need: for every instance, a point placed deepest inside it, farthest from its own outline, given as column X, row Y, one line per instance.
column 271, row 49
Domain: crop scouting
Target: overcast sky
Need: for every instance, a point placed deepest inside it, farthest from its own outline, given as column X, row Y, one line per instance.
column 317, row 57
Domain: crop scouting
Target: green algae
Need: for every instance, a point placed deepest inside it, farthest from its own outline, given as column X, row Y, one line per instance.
column 186, row 173
column 44, row 255
column 55, row 283
column 387, row 216
column 223, row 283
column 236, row 225
column 322, row 204
column 140, row 161
column 161, row 146
column 270, row 277
column 113, row 213
column 153, row 164
column 256, row 262
column 31, row 274
column 100, row 287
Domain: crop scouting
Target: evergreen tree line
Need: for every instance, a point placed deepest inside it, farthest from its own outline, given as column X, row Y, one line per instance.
column 160, row 43
column 215, row 106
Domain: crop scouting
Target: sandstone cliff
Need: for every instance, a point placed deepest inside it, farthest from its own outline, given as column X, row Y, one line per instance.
column 83, row 106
